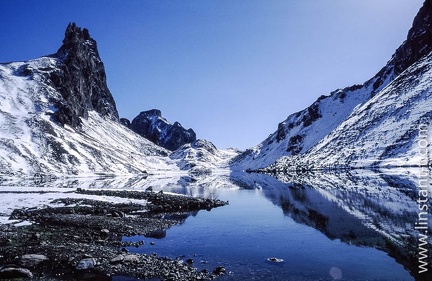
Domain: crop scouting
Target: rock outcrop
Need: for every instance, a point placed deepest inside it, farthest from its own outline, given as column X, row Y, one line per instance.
column 81, row 80
column 151, row 125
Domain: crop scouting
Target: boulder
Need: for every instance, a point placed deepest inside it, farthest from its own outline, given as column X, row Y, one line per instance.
column 86, row 263
column 32, row 260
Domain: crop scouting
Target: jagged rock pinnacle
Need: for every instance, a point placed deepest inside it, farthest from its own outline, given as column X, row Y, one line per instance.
column 81, row 79
column 75, row 36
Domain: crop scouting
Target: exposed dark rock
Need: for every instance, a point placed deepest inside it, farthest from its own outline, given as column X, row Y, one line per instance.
column 312, row 115
column 126, row 122
column 219, row 270
column 151, row 125
column 81, row 80
column 417, row 45
column 295, row 144
column 281, row 134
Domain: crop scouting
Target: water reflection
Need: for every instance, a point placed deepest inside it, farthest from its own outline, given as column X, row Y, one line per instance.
column 360, row 207
column 365, row 208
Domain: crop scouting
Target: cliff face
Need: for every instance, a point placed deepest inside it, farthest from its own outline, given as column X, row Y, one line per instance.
column 81, row 80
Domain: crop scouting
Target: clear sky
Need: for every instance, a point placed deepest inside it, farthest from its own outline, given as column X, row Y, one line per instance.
column 229, row 69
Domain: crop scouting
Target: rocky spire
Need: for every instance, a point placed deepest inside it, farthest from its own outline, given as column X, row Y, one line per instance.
column 81, row 79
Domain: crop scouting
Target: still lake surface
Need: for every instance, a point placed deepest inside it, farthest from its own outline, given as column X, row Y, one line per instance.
column 357, row 226
column 329, row 227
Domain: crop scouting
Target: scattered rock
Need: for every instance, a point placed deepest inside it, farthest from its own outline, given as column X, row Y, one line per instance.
column 117, row 259
column 83, row 234
column 276, row 260
column 118, row 214
column 86, row 263
column 131, row 259
column 32, row 260
column 219, row 270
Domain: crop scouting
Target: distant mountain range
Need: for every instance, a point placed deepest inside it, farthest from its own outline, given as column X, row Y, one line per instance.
column 57, row 116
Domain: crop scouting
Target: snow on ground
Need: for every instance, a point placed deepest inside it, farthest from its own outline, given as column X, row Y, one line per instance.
column 384, row 131
column 30, row 142
column 23, row 193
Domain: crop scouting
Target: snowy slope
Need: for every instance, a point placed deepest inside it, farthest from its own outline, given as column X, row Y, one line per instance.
column 303, row 130
column 30, row 142
column 202, row 154
column 385, row 131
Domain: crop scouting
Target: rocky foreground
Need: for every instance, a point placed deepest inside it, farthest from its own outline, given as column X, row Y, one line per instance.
column 82, row 238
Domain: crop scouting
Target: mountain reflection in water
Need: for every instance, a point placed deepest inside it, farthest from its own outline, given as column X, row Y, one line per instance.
column 363, row 208
column 371, row 210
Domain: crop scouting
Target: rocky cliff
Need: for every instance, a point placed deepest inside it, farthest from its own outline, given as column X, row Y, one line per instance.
column 80, row 79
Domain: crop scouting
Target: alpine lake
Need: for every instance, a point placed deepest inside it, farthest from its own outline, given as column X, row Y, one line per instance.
column 355, row 225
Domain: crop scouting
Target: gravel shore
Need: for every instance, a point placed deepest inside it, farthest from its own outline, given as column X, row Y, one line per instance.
column 81, row 239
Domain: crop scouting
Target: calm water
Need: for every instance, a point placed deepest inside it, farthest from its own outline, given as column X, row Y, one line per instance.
column 348, row 226
column 321, row 232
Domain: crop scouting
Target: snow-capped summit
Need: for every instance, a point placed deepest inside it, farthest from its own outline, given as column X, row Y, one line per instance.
column 301, row 132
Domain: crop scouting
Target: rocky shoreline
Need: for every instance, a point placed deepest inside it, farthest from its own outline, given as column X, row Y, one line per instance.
column 81, row 239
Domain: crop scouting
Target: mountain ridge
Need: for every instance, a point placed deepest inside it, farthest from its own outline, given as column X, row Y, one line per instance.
column 303, row 130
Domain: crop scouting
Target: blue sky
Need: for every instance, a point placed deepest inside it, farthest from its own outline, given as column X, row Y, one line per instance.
column 229, row 69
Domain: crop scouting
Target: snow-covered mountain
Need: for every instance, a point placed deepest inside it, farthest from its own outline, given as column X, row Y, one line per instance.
column 385, row 131
column 32, row 142
column 202, row 155
column 58, row 117
column 375, row 120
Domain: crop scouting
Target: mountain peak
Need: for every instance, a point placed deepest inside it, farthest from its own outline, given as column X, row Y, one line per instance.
column 74, row 37
column 422, row 24
column 81, row 80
